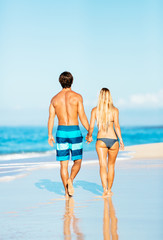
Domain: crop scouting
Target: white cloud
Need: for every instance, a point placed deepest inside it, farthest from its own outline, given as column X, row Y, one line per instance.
column 147, row 100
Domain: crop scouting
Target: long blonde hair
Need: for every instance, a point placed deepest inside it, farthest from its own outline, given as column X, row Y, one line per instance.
column 104, row 107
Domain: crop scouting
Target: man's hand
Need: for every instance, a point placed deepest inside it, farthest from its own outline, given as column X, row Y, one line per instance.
column 51, row 140
column 89, row 139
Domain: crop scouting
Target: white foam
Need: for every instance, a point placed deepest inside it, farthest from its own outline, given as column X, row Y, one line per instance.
column 10, row 168
column 11, row 178
column 12, row 165
column 15, row 156
column 18, row 168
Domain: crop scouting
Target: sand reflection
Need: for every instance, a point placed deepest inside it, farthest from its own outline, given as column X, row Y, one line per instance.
column 109, row 220
column 71, row 222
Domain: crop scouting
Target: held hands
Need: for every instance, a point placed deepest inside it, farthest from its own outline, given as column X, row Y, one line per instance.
column 51, row 140
column 89, row 139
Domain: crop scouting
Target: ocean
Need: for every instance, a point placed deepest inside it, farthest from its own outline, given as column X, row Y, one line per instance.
column 23, row 149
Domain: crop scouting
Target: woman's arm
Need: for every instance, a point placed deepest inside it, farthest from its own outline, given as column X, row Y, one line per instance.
column 91, row 126
column 117, row 128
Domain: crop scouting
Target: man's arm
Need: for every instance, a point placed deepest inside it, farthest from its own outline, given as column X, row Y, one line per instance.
column 51, row 124
column 82, row 115
column 91, row 126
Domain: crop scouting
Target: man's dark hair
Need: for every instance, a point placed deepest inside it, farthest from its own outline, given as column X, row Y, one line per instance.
column 66, row 79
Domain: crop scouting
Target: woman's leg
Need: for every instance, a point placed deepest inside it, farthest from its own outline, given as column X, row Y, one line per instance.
column 112, row 154
column 102, row 152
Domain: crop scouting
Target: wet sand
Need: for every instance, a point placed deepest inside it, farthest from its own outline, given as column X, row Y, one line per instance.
column 34, row 207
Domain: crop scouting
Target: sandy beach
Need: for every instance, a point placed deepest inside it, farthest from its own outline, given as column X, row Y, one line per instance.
column 146, row 151
column 33, row 207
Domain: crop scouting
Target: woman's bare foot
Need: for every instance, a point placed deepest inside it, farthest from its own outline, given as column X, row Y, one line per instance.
column 109, row 193
column 67, row 196
column 70, row 187
column 105, row 193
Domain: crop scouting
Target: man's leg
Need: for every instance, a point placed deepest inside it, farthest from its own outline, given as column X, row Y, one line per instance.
column 64, row 174
column 74, row 171
column 76, row 147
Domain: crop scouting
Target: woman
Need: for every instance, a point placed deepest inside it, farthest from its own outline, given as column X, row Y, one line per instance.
column 107, row 144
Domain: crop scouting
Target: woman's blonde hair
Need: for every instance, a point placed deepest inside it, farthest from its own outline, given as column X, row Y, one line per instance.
column 104, row 107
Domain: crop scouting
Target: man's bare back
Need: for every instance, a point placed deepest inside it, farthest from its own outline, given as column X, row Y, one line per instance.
column 67, row 105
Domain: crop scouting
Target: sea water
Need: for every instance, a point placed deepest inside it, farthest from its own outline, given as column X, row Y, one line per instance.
column 23, row 149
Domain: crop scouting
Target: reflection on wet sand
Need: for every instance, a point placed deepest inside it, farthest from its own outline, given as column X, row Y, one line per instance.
column 69, row 218
column 109, row 220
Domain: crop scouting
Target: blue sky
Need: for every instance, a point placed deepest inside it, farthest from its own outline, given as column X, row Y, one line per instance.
column 114, row 44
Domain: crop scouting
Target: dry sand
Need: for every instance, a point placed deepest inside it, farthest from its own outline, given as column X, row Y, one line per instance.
column 146, row 151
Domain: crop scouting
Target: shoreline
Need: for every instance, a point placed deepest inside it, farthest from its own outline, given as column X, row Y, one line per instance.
column 87, row 154
column 19, row 168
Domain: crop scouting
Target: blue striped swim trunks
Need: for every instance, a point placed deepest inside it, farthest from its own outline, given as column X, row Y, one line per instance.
column 69, row 140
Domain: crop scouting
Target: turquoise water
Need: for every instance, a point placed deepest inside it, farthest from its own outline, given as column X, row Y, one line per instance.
column 34, row 139
column 23, row 149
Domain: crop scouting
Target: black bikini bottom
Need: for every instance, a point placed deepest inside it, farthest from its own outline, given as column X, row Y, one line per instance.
column 108, row 141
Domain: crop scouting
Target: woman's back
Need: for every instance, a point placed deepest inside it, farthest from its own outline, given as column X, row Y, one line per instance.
column 110, row 133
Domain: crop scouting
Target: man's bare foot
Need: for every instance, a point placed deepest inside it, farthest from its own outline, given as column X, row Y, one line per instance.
column 70, row 187
column 67, row 196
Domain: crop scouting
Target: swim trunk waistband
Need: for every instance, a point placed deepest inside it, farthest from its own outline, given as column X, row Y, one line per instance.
column 68, row 127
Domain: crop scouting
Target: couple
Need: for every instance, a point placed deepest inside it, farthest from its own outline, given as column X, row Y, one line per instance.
column 67, row 105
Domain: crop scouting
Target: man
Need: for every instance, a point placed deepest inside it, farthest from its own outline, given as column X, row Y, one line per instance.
column 67, row 105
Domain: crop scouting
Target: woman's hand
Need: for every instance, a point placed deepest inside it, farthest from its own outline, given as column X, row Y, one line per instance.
column 121, row 145
column 89, row 139
column 51, row 140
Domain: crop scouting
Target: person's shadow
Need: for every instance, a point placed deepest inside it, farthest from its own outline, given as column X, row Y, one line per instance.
column 89, row 186
column 57, row 187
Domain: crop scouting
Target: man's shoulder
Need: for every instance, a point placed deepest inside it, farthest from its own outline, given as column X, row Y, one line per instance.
column 54, row 98
column 77, row 95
